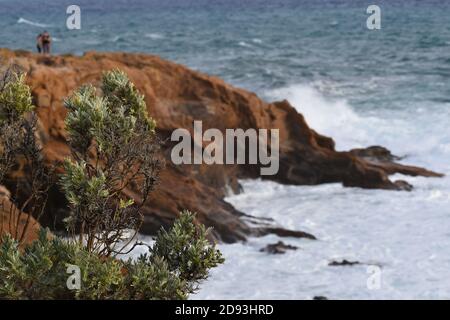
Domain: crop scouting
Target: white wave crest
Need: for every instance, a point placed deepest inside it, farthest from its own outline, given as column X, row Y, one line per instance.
column 154, row 36
column 32, row 23
column 334, row 118
column 425, row 142
column 244, row 44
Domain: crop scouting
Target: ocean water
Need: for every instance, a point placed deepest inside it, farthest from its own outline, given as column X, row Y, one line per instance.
column 389, row 87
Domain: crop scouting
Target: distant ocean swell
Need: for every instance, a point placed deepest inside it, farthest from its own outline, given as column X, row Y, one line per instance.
column 32, row 23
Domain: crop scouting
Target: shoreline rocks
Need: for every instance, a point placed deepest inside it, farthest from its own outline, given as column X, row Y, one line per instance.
column 343, row 263
column 176, row 96
column 278, row 248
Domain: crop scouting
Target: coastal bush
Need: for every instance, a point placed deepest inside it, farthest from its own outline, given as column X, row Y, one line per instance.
column 20, row 148
column 40, row 270
column 113, row 146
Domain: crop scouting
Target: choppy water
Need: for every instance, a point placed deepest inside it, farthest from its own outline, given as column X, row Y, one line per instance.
column 389, row 87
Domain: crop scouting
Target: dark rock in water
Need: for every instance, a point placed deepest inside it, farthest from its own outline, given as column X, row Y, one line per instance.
column 343, row 263
column 375, row 153
column 320, row 298
column 278, row 248
column 284, row 233
column 382, row 158
column 403, row 185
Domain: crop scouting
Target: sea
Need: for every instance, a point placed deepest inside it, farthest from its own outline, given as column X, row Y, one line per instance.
column 363, row 87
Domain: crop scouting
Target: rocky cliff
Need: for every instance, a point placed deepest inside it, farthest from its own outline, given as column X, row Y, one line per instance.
column 176, row 96
column 14, row 222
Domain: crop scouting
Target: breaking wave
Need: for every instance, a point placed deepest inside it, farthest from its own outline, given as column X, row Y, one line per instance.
column 32, row 23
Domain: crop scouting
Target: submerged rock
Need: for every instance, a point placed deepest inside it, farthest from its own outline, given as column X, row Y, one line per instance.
column 375, row 153
column 284, row 233
column 343, row 263
column 382, row 158
column 176, row 96
column 278, row 248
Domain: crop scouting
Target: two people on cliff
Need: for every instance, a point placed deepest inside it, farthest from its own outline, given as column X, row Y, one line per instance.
column 43, row 42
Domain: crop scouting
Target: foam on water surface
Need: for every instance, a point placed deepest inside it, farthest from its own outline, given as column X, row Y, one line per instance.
column 406, row 234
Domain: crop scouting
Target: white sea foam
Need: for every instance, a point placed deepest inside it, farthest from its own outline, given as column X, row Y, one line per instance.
column 154, row 36
column 405, row 233
column 32, row 23
column 333, row 118
column 422, row 136
column 244, row 44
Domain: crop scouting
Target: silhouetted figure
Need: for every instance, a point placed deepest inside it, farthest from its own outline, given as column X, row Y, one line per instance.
column 39, row 43
column 46, row 42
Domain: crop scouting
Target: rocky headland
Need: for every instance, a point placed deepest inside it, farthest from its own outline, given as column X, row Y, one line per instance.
column 176, row 96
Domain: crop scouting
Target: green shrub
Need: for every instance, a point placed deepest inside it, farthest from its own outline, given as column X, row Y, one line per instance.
column 19, row 144
column 15, row 97
column 40, row 271
column 113, row 146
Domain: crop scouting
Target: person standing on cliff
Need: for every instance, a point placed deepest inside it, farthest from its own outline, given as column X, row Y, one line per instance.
column 39, row 43
column 46, row 42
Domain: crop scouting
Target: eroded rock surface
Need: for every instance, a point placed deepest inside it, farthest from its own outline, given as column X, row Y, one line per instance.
column 14, row 222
